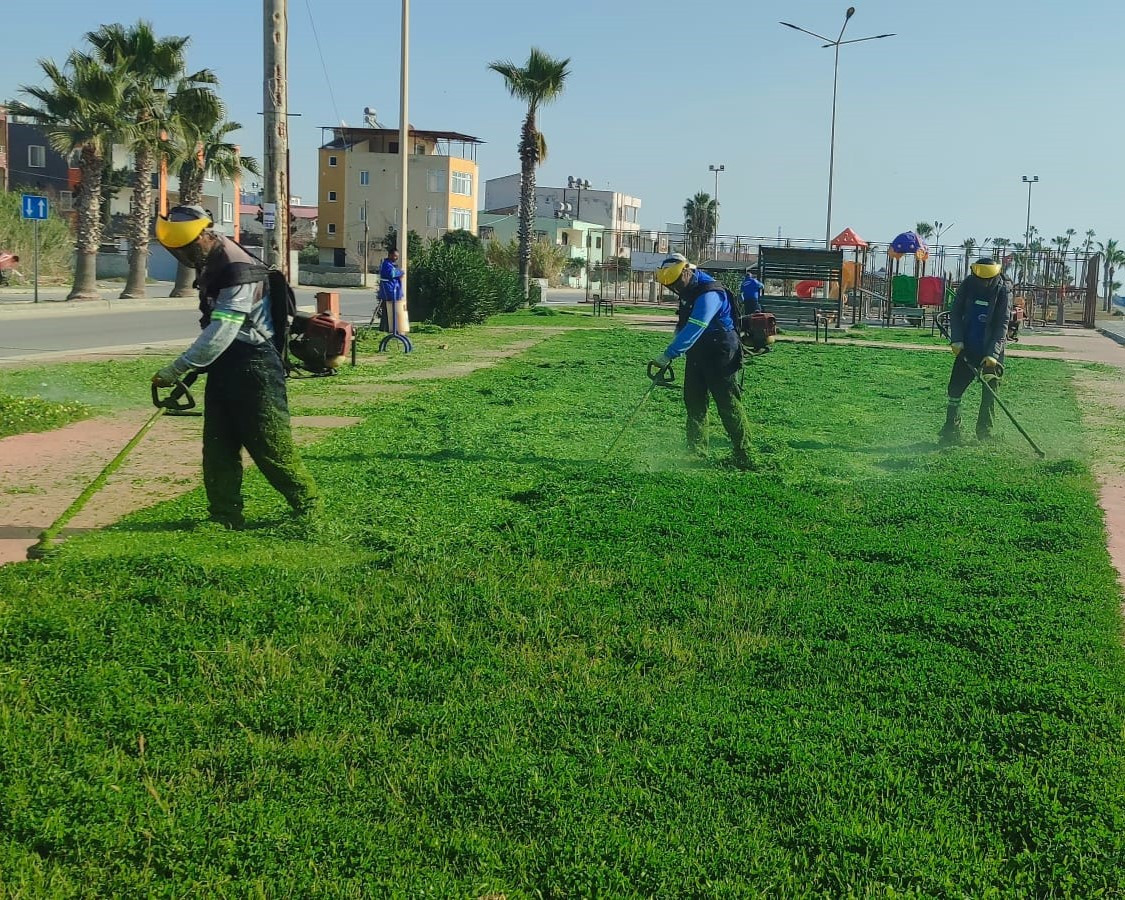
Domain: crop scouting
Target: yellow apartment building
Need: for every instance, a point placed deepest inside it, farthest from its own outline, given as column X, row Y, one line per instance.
column 359, row 190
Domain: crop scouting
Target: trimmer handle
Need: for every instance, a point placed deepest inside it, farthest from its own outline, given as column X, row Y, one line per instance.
column 665, row 376
column 180, row 400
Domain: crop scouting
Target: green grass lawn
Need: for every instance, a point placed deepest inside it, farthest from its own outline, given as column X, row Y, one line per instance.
column 509, row 664
column 19, row 415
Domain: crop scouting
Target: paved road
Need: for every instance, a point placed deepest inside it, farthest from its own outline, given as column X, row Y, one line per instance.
column 54, row 328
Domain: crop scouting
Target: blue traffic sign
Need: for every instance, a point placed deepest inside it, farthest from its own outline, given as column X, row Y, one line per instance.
column 34, row 206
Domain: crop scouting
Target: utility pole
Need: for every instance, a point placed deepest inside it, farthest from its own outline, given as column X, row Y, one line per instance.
column 275, row 193
column 365, row 244
column 404, row 150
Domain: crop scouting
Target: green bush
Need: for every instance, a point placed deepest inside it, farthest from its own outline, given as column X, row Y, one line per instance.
column 452, row 285
column 459, row 237
column 56, row 243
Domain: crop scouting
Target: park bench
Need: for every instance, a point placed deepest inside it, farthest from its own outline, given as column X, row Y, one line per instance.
column 791, row 264
column 914, row 315
column 602, row 305
column 791, row 311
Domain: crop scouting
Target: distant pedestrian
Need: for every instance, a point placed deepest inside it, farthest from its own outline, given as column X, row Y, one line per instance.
column 390, row 289
column 978, row 332
column 751, row 291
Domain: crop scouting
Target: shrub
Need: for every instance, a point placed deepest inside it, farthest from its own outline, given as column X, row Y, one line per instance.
column 459, row 237
column 56, row 243
column 452, row 285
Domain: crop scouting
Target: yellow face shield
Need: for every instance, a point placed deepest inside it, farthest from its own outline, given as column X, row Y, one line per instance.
column 670, row 270
column 985, row 270
column 173, row 235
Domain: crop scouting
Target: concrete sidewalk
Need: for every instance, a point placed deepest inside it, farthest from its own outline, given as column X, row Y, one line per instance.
column 21, row 299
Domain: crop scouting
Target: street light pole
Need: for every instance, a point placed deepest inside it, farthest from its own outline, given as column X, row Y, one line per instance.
column 1029, row 181
column 717, row 169
column 836, row 44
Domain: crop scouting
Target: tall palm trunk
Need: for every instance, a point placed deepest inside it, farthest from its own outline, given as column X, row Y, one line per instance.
column 529, row 156
column 89, row 227
column 140, row 219
column 191, row 193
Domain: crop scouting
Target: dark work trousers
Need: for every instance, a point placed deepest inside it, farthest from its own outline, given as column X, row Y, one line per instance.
column 962, row 376
column 711, row 369
column 246, row 406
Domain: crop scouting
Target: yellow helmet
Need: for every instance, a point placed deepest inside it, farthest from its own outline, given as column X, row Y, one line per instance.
column 671, row 269
column 181, row 226
column 985, row 268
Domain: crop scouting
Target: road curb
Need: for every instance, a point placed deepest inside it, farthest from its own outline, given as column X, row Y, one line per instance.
column 1112, row 335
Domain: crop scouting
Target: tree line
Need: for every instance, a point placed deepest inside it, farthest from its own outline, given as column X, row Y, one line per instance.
column 128, row 87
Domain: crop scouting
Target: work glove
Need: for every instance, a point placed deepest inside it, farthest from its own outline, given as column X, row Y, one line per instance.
column 662, row 362
column 166, row 377
column 956, row 347
column 990, row 363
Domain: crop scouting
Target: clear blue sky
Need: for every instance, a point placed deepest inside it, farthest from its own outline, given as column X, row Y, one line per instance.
column 938, row 122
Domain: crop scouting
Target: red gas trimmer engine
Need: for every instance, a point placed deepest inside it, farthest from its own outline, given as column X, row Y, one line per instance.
column 321, row 342
column 761, row 328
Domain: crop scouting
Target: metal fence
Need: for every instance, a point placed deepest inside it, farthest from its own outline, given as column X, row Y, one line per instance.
column 1058, row 286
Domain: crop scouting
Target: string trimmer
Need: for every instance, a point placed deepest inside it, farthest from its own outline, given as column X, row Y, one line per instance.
column 177, row 403
column 995, row 396
column 660, row 378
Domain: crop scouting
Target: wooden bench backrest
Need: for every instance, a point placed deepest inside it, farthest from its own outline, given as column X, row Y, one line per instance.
column 795, row 264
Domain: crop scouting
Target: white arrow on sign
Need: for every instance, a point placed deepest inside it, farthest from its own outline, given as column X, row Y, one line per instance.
column 42, row 208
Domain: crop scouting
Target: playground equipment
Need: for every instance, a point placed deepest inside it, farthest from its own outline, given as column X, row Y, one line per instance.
column 851, row 270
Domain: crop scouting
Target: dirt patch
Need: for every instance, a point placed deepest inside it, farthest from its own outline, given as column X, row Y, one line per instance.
column 482, row 359
column 41, row 474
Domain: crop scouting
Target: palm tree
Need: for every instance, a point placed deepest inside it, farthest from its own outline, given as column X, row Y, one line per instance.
column 78, row 110
column 924, row 230
column 968, row 245
column 701, row 218
column 1112, row 259
column 537, row 82
column 150, row 66
column 202, row 148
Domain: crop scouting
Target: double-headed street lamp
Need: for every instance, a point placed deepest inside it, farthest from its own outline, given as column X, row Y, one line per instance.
column 716, row 169
column 835, row 74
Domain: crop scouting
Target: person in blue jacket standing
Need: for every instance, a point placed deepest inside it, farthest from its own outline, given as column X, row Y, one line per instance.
column 706, row 337
column 751, row 291
column 390, row 288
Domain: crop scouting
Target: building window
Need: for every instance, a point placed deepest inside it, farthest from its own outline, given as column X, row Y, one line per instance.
column 228, row 211
column 565, row 239
column 540, row 237
column 461, row 218
column 37, row 156
column 332, row 161
column 331, row 196
column 598, row 243
column 392, row 146
column 365, row 177
column 331, row 227
column 486, row 232
column 463, row 183
column 434, row 179
column 433, row 217
column 66, row 201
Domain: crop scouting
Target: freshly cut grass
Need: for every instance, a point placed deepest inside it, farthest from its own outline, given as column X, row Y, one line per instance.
column 22, row 415
column 511, row 665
